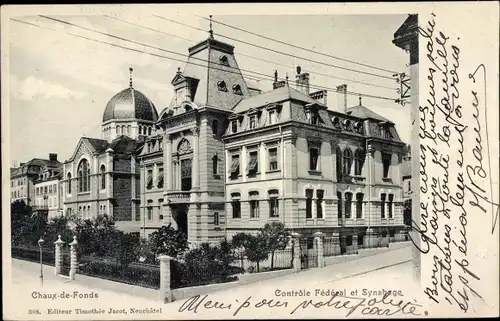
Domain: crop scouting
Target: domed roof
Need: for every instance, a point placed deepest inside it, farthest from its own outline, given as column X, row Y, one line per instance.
column 130, row 103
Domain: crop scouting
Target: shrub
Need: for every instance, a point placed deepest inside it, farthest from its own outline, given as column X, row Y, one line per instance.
column 168, row 241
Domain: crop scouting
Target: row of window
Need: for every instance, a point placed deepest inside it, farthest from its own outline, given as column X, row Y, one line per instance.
column 47, row 189
column 18, row 194
column 319, row 203
column 253, row 162
column 145, row 130
column 344, row 205
column 18, row 182
column 347, row 202
column 253, row 120
column 273, row 203
column 154, row 146
column 49, row 201
column 345, row 161
column 159, row 178
column 150, row 210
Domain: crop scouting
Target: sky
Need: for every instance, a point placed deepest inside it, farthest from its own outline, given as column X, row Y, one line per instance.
column 60, row 84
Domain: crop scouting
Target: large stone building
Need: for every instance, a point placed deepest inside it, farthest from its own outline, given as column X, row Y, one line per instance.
column 22, row 180
column 102, row 176
column 224, row 157
column 291, row 159
column 48, row 194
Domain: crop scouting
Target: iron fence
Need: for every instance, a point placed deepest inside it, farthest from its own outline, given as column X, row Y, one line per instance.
column 328, row 246
column 134, row 273
column 186, row 274
column 32, row 254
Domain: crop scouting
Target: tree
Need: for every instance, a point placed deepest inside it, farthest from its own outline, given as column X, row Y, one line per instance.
column 225, row 256
column 256, row 249
column 276, row 238
column 20, row 214
column 26, row 226
column 98, row 237
column 239, row 243
column 58, row 226
column 168, row 241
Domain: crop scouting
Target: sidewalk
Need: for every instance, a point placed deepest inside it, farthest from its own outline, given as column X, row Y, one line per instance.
column 390, row 269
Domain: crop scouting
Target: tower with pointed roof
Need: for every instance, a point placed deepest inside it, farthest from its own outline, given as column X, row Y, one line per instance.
column 185, row 187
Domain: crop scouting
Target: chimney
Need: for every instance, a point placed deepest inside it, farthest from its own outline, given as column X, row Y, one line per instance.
column 53, row 157
column 278, row 84
column 302, row 81
column 342, row 98
column 319, row 96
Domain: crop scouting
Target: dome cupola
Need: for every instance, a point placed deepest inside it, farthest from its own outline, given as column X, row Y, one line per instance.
column 130, row 113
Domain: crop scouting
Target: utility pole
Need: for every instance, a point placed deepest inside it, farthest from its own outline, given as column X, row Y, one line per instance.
column 406, row 38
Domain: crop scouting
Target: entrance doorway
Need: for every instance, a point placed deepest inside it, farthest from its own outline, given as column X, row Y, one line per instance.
column 181, row 219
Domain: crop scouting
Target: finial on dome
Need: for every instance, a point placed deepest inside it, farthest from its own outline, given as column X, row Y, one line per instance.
column 286, row 77
column 359, row 100
column 130, row 70
column 178, row 70
column 211, row 32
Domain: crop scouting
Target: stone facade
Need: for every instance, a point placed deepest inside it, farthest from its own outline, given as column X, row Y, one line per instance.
column 224, row 158
column 48, row 194
column 291, row 159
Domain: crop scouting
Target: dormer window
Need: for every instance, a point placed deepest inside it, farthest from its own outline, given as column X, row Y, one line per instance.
column 223, row 60
column 237, row 90
column 314, row 118
column 358, row 126
column 234, row 126
column 347, row 124
column 312, row 114
column 221, row 85
column 253, row 122
column 336, row 121
column 272, row 117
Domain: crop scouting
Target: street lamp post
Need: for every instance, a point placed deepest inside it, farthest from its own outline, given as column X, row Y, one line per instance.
column 40, row 243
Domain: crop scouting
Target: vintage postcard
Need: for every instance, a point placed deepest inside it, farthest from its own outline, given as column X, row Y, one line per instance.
column 250, row 161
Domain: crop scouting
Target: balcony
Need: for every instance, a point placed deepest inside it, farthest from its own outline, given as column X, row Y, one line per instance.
column 178, row 197
column 40, row 207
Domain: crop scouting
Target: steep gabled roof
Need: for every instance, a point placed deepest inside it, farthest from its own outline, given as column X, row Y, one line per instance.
column 99, row 145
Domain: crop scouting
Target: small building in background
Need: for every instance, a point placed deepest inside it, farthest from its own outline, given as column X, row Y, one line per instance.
column 48, row 200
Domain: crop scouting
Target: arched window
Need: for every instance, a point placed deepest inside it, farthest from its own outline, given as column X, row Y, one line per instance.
column 129, row 129
column 69, row 183
column 338, row 152
column 347, row 161
column 103, row 177
column 83, row 176
column 358, row 162
column 149, row 131
column 140, row 130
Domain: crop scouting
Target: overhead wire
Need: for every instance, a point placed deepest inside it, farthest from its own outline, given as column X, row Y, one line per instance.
column 268, row 77
column 296, row 46
column 277, row 51
column 250, row 56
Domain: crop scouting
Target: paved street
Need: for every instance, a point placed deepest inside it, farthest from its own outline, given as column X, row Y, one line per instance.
column 390, row 270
